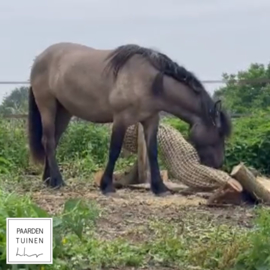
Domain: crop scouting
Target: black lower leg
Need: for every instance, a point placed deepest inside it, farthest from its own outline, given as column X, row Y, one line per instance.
column 51, row 163
column 117, row 137
column 62, row 120
column 46, row 173
column 150, row 131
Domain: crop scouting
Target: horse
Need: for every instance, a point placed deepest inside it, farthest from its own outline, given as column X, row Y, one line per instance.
column 123, row 86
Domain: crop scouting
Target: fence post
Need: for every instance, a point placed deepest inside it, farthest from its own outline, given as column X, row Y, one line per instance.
column 143, row 162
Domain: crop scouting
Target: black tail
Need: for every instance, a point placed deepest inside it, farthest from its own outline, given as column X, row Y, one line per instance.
column 35, row 129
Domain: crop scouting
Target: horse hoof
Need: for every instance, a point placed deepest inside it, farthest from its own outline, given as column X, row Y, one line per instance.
column 54, row 183
column 161, row 191
column 46, row 181
column 110, row 195
column 108, row 191
column 163, row 194
column 59, row 184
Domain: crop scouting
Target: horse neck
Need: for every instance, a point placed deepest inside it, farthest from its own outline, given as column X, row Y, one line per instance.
column 181, row 101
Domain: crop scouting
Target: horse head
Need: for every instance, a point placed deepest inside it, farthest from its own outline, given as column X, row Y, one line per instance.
column 208, row 136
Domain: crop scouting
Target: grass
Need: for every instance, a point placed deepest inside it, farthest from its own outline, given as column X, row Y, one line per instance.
column 93, row 232
column 189, row 242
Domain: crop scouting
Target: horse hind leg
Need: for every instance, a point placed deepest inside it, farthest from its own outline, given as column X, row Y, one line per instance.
column 48, row 112
column 62, row 120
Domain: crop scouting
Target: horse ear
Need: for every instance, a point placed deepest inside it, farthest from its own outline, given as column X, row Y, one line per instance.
column 217, row 106
column 217, row 113
column 226, row 123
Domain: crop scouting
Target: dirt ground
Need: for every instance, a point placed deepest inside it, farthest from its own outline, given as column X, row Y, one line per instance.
column 129, row 210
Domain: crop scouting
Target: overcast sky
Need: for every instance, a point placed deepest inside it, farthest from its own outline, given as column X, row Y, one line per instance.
column 208, row 37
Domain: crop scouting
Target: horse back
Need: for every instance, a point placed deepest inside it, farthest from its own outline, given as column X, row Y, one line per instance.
column 73, row 74
column 57, row 58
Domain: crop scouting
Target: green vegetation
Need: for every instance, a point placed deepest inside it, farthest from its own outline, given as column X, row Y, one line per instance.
column 87, row 234
column 16, row 102
column 77, row 215
column 251, row 93
column 77, row 244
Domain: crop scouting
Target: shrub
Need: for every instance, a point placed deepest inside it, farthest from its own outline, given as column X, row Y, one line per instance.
column 250, row 143
column 83, row 140
column 84, row 146
column 13, row 146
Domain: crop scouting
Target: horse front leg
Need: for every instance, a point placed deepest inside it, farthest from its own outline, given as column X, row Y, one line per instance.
column 150, row 132
column 117, row 138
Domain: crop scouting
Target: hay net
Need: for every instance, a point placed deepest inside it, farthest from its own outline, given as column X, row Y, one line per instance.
column 180, row 158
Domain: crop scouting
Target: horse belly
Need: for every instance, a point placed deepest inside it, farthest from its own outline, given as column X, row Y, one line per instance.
column 87, row 107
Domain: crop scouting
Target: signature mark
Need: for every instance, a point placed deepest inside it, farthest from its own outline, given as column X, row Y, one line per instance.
column 24, row 254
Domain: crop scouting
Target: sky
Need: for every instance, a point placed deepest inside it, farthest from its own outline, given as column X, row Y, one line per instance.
column 208, row 37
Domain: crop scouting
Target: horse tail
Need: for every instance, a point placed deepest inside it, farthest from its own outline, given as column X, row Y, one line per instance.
column 35, row 129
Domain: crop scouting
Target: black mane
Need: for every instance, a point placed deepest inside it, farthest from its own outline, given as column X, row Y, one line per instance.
column 118, row 58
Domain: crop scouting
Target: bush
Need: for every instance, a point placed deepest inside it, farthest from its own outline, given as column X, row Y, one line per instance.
column 84, row 146
column 84, row 140
column 83, row 149
column 250, row 143
column 13, row 146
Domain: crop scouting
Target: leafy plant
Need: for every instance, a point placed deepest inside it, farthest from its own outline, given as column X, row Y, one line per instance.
column 257, row 255
column 77, row 217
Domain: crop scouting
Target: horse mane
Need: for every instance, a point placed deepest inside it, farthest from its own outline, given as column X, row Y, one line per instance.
column 119, row 57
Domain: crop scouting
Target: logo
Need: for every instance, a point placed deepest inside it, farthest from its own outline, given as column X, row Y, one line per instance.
column 29, row 240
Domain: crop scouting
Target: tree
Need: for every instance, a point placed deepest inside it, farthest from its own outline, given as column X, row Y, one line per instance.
column 15, row 102
column 247, row 90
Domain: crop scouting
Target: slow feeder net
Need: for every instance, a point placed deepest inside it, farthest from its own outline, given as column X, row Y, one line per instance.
column 180, row 158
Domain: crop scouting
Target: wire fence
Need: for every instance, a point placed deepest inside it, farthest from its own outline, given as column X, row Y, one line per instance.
column 76, row 119
column 218, row 81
